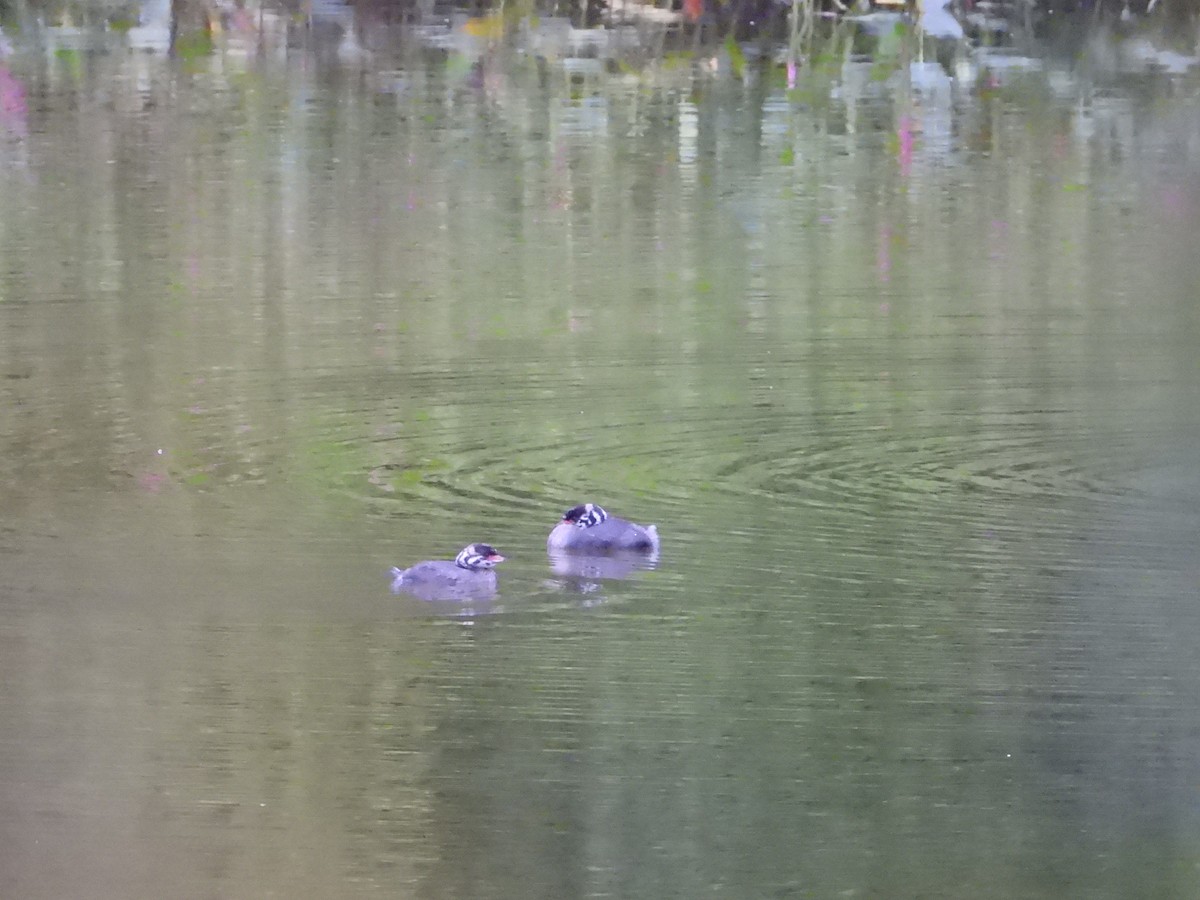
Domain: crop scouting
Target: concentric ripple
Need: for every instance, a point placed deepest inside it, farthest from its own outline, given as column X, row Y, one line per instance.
column 889, row 469
column 766, row 456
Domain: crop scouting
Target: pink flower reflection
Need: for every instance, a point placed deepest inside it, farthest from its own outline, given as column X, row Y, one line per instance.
column 904, row 134
column 14, row 111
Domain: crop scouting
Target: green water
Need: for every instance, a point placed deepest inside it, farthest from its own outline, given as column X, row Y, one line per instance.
column 918, row 433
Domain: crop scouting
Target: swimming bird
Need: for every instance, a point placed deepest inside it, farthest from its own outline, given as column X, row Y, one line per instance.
column 468, row 577
column 590, row 529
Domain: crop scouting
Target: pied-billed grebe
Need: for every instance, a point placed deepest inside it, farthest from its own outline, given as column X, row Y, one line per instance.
column 589, row 529
column 469, row 576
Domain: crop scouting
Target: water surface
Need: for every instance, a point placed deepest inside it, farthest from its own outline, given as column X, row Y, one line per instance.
column 914, row 406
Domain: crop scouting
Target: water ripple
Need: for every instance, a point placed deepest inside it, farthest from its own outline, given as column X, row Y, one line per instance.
column 758, row 456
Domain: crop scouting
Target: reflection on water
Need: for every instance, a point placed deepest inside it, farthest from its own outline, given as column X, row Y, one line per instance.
column 619, row 564
column 910, row 392
column 585, row 573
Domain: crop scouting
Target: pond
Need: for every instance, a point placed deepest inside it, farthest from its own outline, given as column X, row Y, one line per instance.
column 906, row 378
